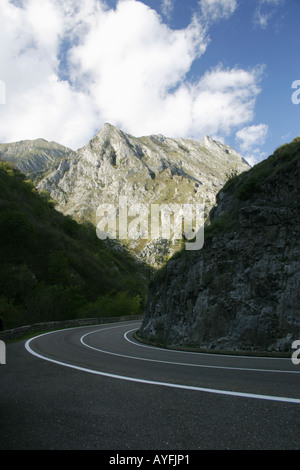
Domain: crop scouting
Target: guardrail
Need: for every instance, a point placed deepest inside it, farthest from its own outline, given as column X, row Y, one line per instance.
column 16, row 333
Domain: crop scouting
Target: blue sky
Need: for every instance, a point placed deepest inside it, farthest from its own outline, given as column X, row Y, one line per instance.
column 182, row 68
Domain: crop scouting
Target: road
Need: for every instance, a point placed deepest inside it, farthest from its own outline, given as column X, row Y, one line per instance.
column 97, row 388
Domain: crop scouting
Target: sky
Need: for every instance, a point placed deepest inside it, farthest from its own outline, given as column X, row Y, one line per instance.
column 229, row 69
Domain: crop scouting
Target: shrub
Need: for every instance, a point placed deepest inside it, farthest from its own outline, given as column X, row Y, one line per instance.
column 16, row 230
column 9, row 314
column 113, row 305
column 50, row 303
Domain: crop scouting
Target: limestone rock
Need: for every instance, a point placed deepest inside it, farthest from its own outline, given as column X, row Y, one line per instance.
column 242, row 290
column 33, row 157
column 146, row 170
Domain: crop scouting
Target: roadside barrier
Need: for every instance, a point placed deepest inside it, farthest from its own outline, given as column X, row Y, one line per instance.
column 16, row 333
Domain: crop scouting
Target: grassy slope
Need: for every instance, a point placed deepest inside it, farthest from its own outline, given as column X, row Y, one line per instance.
column 52, row 268
column 245, row 185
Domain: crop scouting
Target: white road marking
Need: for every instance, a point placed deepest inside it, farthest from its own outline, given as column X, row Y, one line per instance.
column 136, row 343
column 151, row 382
column 177, row 363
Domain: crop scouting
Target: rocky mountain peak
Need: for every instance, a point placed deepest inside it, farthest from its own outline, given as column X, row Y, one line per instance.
column 108, row 132
column 147, row 170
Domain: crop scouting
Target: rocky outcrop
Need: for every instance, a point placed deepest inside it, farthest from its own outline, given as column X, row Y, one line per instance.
column 33, row 157
column 242, row 290
column 147, row 170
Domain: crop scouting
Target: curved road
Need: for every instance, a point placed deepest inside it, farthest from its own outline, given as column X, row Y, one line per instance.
column 97, row 388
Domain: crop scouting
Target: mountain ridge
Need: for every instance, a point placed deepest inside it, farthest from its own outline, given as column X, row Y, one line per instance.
column 33, row 157
column 148, row 169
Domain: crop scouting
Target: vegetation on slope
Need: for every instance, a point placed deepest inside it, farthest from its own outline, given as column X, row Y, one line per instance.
column 239, row 188
column 53, row 268
column 243, row 186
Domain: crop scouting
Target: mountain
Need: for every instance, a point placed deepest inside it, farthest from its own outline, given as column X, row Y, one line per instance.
column 53, row 268
column 145, row 170
column 241, row 291
column 33, row 157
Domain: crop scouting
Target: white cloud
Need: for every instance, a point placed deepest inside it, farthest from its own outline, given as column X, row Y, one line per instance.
column 265, row 10
column 38, row 103
column 250, row 139
column 122, row 65
column 221, row 100
column 214, row 10
column 167, row 7
column 252, row 136
column 2, row 92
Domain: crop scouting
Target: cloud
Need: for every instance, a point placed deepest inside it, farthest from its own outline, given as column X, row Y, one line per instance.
column 213, row 10
column 221, row 100
column 70, row 66
column 265, row 10
column 250, row 139
column 2, row 92
column 38, row 103
column 167, row 7
column 252, row 136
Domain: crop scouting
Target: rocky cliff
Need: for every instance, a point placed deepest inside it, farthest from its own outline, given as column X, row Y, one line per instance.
column 242, row 290
column 147, row 170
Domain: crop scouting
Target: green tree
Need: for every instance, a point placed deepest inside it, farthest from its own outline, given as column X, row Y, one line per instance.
column 16, row 230
column 58, row 269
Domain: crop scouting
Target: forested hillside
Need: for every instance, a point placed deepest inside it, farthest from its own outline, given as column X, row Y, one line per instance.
column 53, row 268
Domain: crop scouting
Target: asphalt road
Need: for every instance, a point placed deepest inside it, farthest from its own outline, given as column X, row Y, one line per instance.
column 97, row 388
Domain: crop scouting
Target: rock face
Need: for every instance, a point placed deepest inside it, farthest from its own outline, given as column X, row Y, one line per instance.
column 146, row 170
column 242, row 290
column 33, row 157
